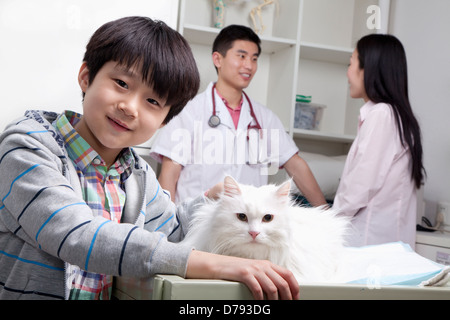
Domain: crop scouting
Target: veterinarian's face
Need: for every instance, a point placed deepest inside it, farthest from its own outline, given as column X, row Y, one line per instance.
column 355, row 77
column 239, row 65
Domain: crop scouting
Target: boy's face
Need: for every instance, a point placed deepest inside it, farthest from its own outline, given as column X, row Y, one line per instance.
column 239, row 65
column 120, row 110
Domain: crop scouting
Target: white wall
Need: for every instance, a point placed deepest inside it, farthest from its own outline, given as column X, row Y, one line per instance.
column 42, row 43
column 424, row 29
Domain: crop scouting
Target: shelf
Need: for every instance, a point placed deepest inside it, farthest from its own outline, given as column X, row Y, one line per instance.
column 333, row 54
column 323, row 136
column 324, row 56
column 206, row 35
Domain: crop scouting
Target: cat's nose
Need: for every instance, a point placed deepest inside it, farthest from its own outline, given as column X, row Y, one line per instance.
column 254, row 234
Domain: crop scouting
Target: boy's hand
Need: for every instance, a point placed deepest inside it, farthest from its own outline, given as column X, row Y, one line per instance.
column 215, row 191
column 261, row 277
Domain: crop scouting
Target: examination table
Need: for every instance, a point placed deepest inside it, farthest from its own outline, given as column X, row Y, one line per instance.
column 168, row 287
column 386, row 271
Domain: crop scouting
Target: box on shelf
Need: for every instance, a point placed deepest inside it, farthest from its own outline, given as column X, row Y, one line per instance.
column 302, row 98
column 308, row 115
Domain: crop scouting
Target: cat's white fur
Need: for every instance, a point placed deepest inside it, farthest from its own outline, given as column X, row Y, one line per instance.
column 307, row 241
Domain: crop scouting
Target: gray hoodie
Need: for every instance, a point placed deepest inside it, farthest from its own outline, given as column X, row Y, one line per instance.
column 44, row 221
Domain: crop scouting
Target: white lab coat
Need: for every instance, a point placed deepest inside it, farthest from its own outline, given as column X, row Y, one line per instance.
column 208, row 154
column 376, row 188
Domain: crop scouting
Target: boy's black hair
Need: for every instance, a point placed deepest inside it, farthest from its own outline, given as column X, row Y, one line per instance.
column 162, row 54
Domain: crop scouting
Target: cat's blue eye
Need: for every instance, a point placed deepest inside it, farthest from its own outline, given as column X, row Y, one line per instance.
column 241, row 216
column 267, row 218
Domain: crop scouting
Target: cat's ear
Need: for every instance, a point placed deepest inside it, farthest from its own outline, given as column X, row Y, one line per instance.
column 230, row 187
column 284, row 190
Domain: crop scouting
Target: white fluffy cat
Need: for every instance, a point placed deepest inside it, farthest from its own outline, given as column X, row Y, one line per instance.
column 261, row 223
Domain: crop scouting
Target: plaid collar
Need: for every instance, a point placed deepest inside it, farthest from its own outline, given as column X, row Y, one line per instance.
column 81, row 153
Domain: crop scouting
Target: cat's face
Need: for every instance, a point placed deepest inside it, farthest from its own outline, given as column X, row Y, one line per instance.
column 250, row 218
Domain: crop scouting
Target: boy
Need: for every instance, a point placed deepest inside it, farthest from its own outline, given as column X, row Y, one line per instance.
column 235, row 54
column 78, row 206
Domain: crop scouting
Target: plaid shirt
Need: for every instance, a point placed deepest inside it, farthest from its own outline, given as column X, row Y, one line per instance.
column 103, row 190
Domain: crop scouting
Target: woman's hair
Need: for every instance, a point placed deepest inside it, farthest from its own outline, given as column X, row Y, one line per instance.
column 162, row 55
column 383, row 59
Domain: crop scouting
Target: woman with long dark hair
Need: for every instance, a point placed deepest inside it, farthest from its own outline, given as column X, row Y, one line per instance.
column 384, row 166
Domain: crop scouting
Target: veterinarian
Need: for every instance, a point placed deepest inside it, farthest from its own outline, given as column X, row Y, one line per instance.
column 384, row 165
column 224, row 132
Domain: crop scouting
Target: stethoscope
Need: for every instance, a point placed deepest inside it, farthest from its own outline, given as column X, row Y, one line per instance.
column 214, row 120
